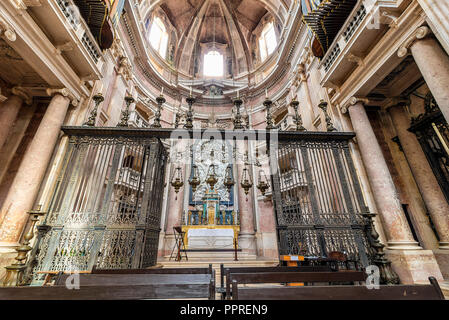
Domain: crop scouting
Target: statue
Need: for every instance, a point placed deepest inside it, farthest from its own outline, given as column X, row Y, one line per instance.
column 228, row 218
column 171, row 53
column 219, row 217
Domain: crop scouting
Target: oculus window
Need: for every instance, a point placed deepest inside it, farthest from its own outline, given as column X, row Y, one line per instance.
column 213, row 64
column 159, row 37
column 267, row 41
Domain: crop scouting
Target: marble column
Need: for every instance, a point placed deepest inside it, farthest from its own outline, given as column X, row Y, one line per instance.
column 427, row 183
column 396, row 227
column 308, row 121
column 25, row 187
column 433, row 62
column 437, row 12
column 247, row 240
column 9, row 110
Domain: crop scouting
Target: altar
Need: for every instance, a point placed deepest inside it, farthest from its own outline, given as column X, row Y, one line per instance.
column 210, row 238
column 210, row 219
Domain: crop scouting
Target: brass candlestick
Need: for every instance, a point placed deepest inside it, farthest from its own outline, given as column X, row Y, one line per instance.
column 157, row 119
column 298, row 118
column 329, row 125
column 387, row 274
column 189, row 115
column 98, row 98
column 125, row 114
column 238, row 117
column 14, row 272
column 268, row 103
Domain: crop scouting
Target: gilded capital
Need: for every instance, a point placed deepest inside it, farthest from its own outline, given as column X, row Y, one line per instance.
column 420, row 33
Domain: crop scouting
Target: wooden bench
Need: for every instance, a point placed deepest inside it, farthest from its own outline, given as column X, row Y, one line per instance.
column 120, row 287
column 51, row 275
column 225, row 272
column 391, row 292
column 154, row 271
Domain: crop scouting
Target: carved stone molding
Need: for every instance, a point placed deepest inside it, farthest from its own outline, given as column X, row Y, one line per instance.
column 2, row 97
column 6, row 31
column 22, row 93
column 398, row 101
column 356, row 59
column 65, row 93
column 24, row 4
column 420, row 33
column 125, row 68
column 68, row 46
column 352, row 101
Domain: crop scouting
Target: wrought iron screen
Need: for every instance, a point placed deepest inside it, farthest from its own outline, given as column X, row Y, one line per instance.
column 106, row 206
column 432, row 132
column 318, row 200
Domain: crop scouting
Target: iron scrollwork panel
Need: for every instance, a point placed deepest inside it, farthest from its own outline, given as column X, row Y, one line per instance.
column 321, row 201
column 97, row 214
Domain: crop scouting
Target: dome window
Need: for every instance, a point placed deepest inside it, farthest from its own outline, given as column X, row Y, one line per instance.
column 213, row 64
column 267, row 41
column 159, row 37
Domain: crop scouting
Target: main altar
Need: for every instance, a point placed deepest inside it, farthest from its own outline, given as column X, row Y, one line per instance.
column 211, row 220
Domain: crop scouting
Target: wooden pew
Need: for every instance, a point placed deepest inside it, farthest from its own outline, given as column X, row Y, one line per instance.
column 225, row 272
column 120, row 287
column 391, row 292
column 154, row 271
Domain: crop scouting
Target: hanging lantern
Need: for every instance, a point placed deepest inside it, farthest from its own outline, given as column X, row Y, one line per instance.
column 194, row 180
column 246, row 182
column 176, row 181
column 229, row 181
column 211, row 177
column 263, row 184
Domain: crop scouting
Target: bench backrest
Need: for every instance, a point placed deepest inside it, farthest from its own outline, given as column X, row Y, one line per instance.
column 226, row 271
column 111, row 292
column 202, row 284
column 392, row 292
column 292, row 276
column 154, row 271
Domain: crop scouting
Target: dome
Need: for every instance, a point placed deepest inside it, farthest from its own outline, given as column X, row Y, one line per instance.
column 230, row 29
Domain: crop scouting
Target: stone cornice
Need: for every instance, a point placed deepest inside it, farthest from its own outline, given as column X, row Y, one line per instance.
column 34, row 45
column 360, row 81
column 420, row 33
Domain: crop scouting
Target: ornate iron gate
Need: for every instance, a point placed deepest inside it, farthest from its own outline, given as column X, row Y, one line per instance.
column 432, row 132
column 106, row 206
column 318, row 200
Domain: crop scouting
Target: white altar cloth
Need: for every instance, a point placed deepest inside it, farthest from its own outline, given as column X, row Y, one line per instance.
column 210, row 238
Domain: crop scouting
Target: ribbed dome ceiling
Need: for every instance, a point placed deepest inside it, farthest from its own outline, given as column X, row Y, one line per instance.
column 229, row 22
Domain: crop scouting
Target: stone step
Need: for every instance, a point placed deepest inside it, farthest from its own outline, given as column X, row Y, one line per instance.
column 216, row 256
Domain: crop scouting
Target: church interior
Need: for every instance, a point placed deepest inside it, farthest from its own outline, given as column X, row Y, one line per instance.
column 206, row 135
